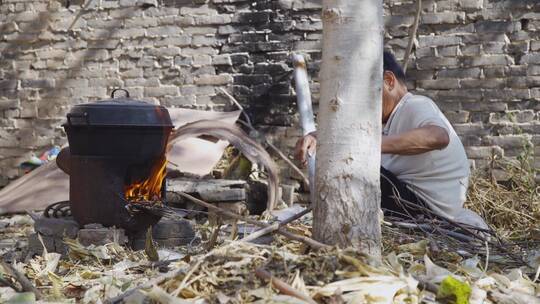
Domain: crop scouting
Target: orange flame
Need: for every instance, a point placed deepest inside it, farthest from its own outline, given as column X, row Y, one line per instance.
column 150, row 188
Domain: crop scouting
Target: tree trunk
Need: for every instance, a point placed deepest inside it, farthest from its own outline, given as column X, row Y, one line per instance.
column 349, row 136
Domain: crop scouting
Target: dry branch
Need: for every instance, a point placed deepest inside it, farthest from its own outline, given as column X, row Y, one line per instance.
column 19, row 277
column 309, row 241
column 282, row 286
column 412, row 34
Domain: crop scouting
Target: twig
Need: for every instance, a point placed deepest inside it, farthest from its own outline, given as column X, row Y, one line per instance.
column 213, row 238
column 311, row 242
column 188, row 275
column 412, row 34
column 282, row 286
column 8, row 283
column 19, row 277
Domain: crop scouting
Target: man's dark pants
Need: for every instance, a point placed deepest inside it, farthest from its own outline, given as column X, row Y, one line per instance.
column 397, row 199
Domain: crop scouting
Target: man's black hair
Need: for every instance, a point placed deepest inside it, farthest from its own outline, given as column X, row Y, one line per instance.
column 390, row 64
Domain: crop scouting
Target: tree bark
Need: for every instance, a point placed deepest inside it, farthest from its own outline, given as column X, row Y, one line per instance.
column 349, row 134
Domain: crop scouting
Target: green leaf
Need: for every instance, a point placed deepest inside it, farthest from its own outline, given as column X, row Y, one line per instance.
column 453, row 291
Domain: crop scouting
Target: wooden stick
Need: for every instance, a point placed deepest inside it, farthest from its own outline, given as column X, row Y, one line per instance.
column 309, row 241
column 264, row 231
column 25, row 283
column 275, row 226
column 412, row 35
column 283, row 287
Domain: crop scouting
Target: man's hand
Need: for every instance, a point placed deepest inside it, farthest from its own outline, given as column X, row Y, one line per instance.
column 304, row 146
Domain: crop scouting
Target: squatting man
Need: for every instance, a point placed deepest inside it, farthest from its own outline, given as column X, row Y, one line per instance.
column 423, row 160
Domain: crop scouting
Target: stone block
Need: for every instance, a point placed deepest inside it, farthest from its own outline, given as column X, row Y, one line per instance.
column 101, row 236
column 56, row 227
column 52, row 244
column 433, row 41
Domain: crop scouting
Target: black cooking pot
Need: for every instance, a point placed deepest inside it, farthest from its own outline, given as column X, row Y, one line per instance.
column 118, row 127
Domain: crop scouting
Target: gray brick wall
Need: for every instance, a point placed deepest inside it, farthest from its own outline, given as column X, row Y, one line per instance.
column 478, row 59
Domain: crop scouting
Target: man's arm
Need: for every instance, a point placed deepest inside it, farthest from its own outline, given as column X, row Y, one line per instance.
column 416, row 141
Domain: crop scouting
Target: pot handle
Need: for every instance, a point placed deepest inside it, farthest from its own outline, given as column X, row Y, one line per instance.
column 78, row 115
column 115, row 90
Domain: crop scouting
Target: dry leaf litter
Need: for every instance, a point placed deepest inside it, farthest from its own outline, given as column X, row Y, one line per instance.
column 412, row 270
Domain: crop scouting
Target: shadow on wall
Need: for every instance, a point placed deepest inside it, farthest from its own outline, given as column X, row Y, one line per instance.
column 43, row 73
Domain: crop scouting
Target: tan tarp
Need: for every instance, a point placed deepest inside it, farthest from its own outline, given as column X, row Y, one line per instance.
column 48, row 184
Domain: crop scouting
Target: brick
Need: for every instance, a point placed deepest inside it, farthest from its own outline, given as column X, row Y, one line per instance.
column 164, row 51
column 459, row 73
column 8, row 84
column 222, row 79
column 178, row 101
column 200, row 60
column 161, row 91
column 494, row 47
column 531, row 58
column 429, row 63
column 182, row 40
column 515, row 116
column 204, row 40
column 495, row 72
column 222, row 60
column 441, row 18
column 471, row 4
column 484, row 152
column 38, row 83
column 439, row 84
column 483, row 83
column 488, row 60
column 457, row 116
column 430, row 41
column 488, row 26
column 484, row 106
column 252, row 18
column 533, row 70
column 252, row 79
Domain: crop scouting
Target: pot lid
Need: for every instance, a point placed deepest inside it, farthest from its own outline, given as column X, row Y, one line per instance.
column 121, row 111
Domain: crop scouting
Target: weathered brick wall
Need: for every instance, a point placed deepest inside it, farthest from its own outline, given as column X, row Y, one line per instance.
column 478, row 59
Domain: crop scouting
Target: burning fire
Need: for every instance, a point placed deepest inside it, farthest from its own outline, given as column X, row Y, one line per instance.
column 150, row 188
